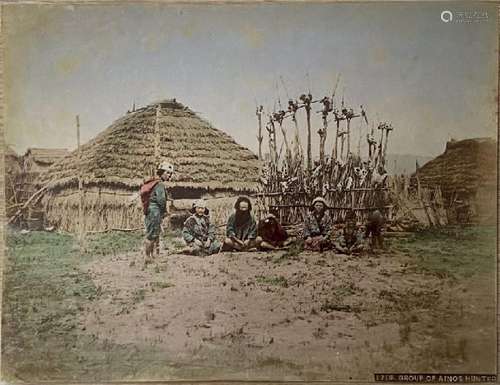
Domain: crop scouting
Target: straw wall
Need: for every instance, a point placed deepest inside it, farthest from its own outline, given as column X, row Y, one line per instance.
column 102, row 210
column 105, row 209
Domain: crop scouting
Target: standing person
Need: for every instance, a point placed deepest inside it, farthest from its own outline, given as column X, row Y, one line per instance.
column 317, row 226
column 154, row 200
column 199, row 233
column 374, row 226
column 241, row 229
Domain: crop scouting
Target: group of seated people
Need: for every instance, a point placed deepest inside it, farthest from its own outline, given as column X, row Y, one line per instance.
column 244, row 234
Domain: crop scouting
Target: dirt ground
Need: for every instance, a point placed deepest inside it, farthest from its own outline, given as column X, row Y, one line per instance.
column 291, row 317
column 425, row 304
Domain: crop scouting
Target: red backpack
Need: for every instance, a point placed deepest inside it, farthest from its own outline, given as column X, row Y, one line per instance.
column 146, row 190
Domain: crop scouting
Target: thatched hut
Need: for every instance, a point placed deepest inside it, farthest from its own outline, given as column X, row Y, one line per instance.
column 115, row 163
column 21, row 182
column 40, row 159
column 12, row 161
column 466, row 173
column 13, row 169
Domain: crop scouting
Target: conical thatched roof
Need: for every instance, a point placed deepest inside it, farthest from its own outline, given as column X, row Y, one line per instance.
column 123, row 155
column 46, row 156
column 465, row 166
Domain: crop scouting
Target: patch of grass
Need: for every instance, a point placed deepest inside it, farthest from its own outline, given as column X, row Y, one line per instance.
column 45, row 291
column 404, row 332
column 43, row 294
column 276, row 281
column 175, row 244
column 452, row 252
column 292, row 252
column 138, row 295
column 329, row 305
column 173, row 233
column 113, row 243
column 345, row 290
column 161, row 285
column 277, row 362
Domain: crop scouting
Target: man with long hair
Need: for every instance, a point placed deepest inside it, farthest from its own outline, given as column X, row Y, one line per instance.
column 273, row 235
column 241, row 230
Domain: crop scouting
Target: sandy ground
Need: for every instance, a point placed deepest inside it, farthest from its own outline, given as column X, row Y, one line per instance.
column 277, row 317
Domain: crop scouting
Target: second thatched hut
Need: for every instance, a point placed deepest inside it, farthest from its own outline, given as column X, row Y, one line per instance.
column 114, row 164
column 466, row 174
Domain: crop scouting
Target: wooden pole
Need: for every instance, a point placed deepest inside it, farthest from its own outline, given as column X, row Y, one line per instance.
column 33, row 198
column 273, row 152
column 348, row 137
column 342, row 146
column 297, row 146
column 270, row 143
column 335, row 155
column 275, row 144
column 259, row 137
column 423, row 204
column 285, row 141
column 379, row 155
column 387, row 130
column 309, row 151
column 359, row 141
column 322, row 141
column 371, row 147
column 157, row 136
column 81, row 230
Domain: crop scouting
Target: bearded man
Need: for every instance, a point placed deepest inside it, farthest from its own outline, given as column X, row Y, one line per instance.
column 241, row 229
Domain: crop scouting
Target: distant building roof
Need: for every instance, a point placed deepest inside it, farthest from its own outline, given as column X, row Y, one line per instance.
column 10, row 152
column 465, row 166
column 46, row 155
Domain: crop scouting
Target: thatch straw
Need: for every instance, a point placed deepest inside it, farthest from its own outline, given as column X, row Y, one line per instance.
column 102, row 211
column 123, row 155
column 465, row 167
column 118, row 209
column 466, row 171
column 116, row 162
column 46, row 156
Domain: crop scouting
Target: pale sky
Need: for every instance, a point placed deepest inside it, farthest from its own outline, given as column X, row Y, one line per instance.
column 433, row 80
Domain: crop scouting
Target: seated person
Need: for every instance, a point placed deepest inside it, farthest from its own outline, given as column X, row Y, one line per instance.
column 273, row 235
column 374, row 226
column 317, row 226
column 241, row 229
column 350, row 240
column 199, row 233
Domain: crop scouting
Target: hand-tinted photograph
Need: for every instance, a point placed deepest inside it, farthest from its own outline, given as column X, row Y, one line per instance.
column 289, row 191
